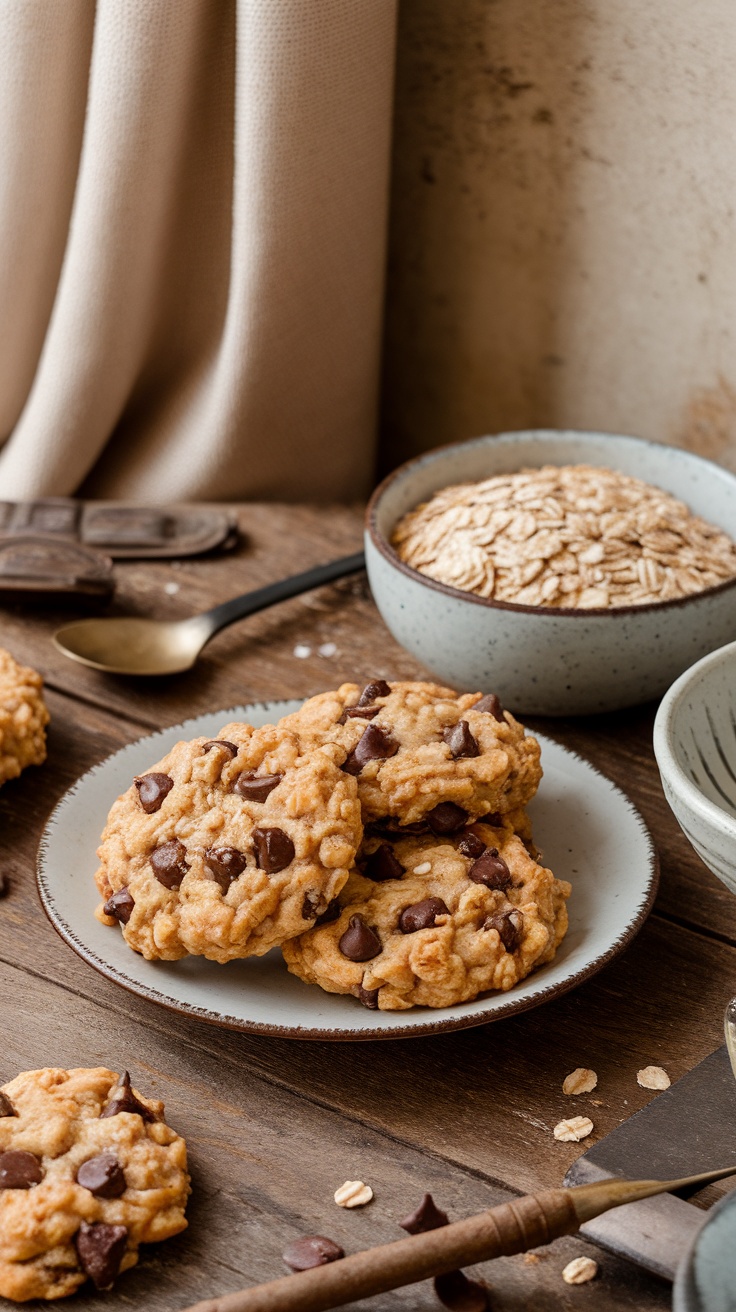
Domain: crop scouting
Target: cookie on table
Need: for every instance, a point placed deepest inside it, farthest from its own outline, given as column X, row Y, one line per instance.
column 23, row 717
column 228, row 846
column 421, row 753
column 432, row 922
column 89, row 1170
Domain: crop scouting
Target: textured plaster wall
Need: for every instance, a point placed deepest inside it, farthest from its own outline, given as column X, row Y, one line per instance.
column 563, row 232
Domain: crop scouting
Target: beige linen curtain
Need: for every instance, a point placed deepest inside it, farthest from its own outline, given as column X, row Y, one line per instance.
column 192, row 227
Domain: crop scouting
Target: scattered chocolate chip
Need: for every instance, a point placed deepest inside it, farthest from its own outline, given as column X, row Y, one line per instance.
column 493, row 818
column 230, row 748
column 460, row 1294
column 169, row 863
column 255, row 787
column 274, row 850
column 122, row 1099
column 19, row 1169
column 422, row 915
column 369, row 997
column 152, row 789
column 446, row 818
column 359, row 942
column 6, row 1106
column 101, row 1249
column 510, row 927
column 4, row 885
column 103, row 1176
column 490, row 869
column 120, row 905
column 379, row 688
column 383, row 864
column 460, row 740
column 471, row 845
column 312, row 1250
column 428, row 1216
column 376, row 745
column 359, row 713
column 332, row 913
column 225, row 864
column 491, row 705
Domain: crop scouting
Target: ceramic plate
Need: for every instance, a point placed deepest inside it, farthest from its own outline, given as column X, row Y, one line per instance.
column 589, row 832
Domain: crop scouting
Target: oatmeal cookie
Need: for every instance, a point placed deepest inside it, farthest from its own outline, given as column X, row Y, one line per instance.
column 421, row 753
column 23, row 718
column 229, row 846
column 431, row 922
column 88, row 1171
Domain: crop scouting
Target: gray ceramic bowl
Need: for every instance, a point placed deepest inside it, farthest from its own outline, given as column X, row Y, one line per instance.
column 539, row 659
column 706, row 1279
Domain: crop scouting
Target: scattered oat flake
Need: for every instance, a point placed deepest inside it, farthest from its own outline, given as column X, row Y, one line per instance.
column 422, row 869
column 574, row 1129
column 580, row 1080
column 653, row 1077
column 328, row 649
column 302, row 651
column 580, row 1271
column 353, row 1193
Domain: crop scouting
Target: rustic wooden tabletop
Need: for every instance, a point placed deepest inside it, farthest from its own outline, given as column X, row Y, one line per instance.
column 274, row 1126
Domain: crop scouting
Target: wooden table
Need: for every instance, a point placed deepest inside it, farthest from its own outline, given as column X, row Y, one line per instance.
column 274, row 1126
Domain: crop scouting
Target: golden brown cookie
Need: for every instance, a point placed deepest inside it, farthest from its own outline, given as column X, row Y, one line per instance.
column 88, row 1171
column 431, row 922
column 229, row 846
column 23, row 717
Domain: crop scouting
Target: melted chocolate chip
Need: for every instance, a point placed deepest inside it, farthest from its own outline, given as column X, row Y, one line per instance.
column 509, row 926
column 493, row 818
column 120, row 905
column 122, row 1099
column 490, row 869
column 460, row 740
column 230, row 748
column 225, row 864
column 383, row 864
column 255, row 787
column 428, row 1216
column 332, row 913
column 359, row 942
column 312, row 1250
column 376, row 745
column 422, row 915
column 491, row 705
column 169, row 863
column 19, row 1169
column 103, row 1176
column 274, row 850
column 369, row 997
column 6, row 1106
column 471, row 845
column 446, row 818
column 460, row 1294
column 359, row 713
column 152, row 789
column 101, row 1249
column 379, row 688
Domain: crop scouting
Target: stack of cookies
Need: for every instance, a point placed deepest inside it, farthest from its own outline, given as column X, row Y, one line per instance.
column 378, row 836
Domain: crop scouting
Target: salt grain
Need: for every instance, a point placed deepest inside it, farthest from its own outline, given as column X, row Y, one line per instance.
column 302, row 651
column 328, row 649
column 422, row 869
column 171, row 588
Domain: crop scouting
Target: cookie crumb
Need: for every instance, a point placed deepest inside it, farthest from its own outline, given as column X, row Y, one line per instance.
column 653, row 1077
column 580, row 1271
column 580, row 1081
column 574, row 1129
column 353, row 1193
column 531, row 1259
column 302, row 651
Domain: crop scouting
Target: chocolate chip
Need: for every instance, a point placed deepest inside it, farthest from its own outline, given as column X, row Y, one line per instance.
column 169, row 863
column 493, row 818
column 122, row 1099
column 101, row 1249
column 120, row 905
column 388, row 827
column 379, row 688
column 491, row 705
column 310, row 904
column 510, row 927
column 490, row 869
column 376, row 745
column 103, row 1176
column 460, row 740
column 446, row 818
column 19, row 1169
column 428, row 1216
column 471, row 845
column 359, row 942
column 369, row 997
column 225, row 864
column 422, row 915
column 359, row 713
column 152, row 789
column 255, row 787
column 230, row 748
column 312, row 1250
column 4, row 885
column 460, row 1294
column 6, row 1106
column 274, row 850
column 383, row 864
column 332, row 913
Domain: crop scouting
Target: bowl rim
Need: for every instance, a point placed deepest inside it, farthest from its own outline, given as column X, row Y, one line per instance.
column 383, row 546
column 663, row 734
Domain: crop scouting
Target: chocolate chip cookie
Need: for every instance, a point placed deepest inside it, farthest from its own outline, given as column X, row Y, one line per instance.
column 435, row 921
column 423, row 754
column 23, row 717
column 89, row 1170
column 228, row 846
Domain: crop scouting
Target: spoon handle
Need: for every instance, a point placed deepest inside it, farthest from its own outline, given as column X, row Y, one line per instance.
column 250, row 602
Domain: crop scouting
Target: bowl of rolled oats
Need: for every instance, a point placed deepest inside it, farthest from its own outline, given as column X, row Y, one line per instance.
column 570, row 572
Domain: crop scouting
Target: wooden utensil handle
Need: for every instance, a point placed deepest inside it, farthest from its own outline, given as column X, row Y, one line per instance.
column 511, row 1228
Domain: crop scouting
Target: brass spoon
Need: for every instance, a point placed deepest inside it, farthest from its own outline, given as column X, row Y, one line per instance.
column 130, row 645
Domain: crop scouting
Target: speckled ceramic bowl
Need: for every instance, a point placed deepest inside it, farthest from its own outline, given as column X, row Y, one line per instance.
column 552, row 661
column 695, row 747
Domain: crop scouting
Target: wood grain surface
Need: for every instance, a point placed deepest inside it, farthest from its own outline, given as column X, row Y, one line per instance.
column 274, row 1126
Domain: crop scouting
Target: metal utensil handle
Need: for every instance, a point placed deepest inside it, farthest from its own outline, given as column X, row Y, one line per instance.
column 250, row 602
